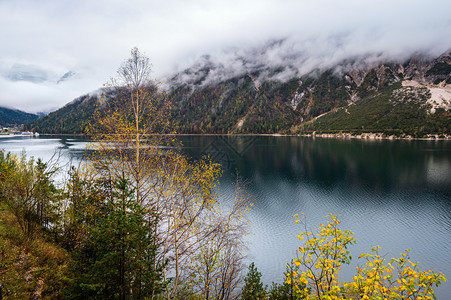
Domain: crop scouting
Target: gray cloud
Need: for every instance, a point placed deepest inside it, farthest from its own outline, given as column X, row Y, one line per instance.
column 92, row 38
column 31, row 73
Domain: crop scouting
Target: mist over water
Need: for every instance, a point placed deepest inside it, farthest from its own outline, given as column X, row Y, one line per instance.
column 395, row 194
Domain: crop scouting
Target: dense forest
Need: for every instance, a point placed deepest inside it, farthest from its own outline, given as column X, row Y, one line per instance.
column 14, row 117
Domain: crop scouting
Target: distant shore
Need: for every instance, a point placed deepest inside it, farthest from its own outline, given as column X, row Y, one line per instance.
column 344, row 135
column 379, row 136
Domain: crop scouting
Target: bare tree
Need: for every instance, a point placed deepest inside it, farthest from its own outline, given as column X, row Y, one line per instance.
column 134, row 75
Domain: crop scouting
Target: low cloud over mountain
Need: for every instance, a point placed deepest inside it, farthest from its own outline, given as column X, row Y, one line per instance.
column 92, row 38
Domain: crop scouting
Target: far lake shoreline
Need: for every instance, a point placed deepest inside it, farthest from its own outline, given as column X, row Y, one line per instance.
column 364, row 136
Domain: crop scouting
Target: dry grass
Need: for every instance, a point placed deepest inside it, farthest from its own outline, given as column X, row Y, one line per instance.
column 34, row 269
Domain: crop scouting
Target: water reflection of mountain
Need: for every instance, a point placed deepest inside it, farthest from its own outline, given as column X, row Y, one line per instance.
column 376, row 165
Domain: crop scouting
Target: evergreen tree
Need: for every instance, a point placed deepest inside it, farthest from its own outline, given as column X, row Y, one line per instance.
column 120, row 251
column 253, row 287
column 285, row 291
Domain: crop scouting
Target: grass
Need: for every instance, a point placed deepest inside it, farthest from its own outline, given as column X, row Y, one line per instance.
column 30, row 268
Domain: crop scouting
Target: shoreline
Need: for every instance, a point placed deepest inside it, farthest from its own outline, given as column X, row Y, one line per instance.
column 379, row 136
column 363, row 136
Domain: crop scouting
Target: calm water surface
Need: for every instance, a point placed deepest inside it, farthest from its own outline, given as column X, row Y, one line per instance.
column 396, row 194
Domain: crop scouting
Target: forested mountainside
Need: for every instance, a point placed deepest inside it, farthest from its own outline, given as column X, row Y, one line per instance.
column 13, row 117
column 70, row 119
column 412, row 97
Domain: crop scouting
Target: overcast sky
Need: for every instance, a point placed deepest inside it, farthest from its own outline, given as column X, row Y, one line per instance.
column 42, row 40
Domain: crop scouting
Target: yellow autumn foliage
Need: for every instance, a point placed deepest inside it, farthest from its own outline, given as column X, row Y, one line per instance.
column 323, row 253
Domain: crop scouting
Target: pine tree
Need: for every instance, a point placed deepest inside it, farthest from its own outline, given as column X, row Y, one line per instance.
column 120, row 251
column 253, row 288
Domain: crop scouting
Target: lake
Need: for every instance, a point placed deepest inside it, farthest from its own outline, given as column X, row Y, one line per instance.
column 391, row 193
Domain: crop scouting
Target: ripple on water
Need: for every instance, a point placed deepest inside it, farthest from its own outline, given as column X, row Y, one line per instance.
column 391, row 194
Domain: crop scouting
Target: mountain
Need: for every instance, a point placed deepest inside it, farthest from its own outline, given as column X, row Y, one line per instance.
column 66, row 76
column 356, row 95
column 14, row 117
column 70, row 119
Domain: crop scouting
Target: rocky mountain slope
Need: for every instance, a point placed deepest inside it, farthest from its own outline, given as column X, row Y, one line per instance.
column 412, row 97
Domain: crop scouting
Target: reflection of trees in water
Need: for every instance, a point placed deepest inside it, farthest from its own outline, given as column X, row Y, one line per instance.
column 377, row 165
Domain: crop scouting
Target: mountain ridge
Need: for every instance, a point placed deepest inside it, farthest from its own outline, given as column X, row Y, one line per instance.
column 15, row 117
column 258, row 101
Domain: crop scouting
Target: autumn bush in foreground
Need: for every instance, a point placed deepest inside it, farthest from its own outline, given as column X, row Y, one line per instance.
column 325, row 251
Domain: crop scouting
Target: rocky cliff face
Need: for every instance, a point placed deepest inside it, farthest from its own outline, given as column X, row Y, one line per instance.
column 363, row 81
